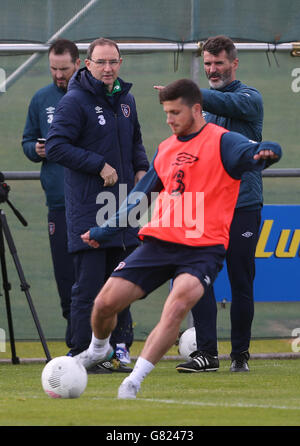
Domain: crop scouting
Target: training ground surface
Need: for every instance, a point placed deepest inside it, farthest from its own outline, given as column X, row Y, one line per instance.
column 267, row 396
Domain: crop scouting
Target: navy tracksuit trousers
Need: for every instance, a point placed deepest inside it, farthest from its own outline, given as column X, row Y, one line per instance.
column 92, row 268
column 240, row 260
column 62, row 264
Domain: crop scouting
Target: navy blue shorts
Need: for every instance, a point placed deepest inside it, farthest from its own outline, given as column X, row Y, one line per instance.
column 155, row 262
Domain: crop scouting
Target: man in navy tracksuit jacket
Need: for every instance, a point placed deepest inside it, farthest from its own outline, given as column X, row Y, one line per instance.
column 63, row 61
column 96, row 135
column 238, row 108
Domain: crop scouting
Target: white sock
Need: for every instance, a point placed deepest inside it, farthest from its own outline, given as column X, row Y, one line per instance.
column 141, row 369
column 98, row 346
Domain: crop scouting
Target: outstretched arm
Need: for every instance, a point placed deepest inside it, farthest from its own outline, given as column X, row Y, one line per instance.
column 245, row 104
column 142, row 191
column 239, row 154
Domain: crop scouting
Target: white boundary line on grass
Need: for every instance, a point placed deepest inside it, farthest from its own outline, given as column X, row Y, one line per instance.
column 204, row 404
column 208, row 404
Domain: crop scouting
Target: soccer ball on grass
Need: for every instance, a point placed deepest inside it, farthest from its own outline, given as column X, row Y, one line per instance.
column 187, row 343
column 64, row 377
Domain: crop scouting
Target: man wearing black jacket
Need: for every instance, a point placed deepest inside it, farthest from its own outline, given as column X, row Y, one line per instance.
column 96, row 135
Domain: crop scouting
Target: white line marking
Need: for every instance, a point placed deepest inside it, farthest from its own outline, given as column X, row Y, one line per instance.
column 204, row 404
column 207, row 404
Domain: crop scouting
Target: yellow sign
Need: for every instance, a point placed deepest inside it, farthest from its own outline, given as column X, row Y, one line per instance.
column 281, row 250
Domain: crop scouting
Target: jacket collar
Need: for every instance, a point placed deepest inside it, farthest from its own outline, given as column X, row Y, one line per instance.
column 230, row 87
column 84, row 80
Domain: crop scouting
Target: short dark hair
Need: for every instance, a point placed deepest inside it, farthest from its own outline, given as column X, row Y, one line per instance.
column 62, row 46
column 214, row 45
column 186, row 89
column 102, row 41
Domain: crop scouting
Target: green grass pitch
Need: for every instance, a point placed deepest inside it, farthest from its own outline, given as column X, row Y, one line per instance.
column 267, row 396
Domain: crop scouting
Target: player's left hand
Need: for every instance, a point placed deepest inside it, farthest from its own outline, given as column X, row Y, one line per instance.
column 265, row 154
column 86, row 239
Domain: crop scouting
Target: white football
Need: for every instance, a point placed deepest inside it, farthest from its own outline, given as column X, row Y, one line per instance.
column 187, row 343
column 64, row 377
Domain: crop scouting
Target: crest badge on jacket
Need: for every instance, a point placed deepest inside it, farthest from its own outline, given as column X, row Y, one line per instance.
column 126, row 110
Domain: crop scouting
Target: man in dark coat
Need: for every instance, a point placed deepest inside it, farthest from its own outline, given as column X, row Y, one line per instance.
column 96, row 135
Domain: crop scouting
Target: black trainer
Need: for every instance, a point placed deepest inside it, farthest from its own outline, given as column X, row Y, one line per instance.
column 200, row 362
column 240, row 363
column 111, row 366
